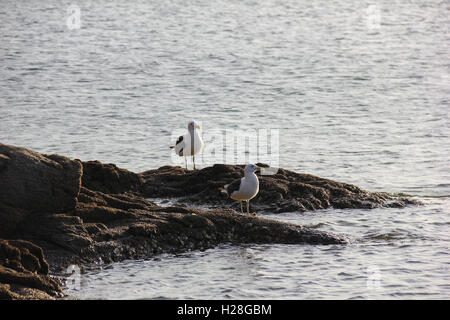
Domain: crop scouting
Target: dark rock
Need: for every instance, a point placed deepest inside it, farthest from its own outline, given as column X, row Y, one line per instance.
column 34, row 183
column 24, row 272
column 108, row 178
column 285, row 191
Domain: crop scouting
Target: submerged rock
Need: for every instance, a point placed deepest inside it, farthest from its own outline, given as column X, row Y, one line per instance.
column 77, row 212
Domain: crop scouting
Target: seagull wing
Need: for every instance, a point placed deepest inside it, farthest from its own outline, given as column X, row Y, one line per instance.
column 180, row 139
column 179, row 146
column 233, row 186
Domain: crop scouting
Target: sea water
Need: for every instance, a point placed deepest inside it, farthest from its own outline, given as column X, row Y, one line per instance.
column 357, row 91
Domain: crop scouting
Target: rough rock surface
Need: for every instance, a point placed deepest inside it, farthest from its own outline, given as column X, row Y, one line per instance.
column 24, row 272
column 108, row 178
column 32, row 183
column 113, row 227
column 285, row 191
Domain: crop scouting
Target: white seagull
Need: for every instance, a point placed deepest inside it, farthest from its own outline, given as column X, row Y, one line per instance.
column 189, row 144
column 246, row 188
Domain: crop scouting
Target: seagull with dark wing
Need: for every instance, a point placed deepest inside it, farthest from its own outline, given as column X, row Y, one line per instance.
column 246, row 188
column 189, row 144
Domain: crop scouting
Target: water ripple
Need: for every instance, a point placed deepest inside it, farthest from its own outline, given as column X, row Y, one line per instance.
column 355, row 102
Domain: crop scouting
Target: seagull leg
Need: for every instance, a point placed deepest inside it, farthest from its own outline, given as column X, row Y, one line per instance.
column 185, row 162
column 248, row 211
column 242, row 209
column 193, row 160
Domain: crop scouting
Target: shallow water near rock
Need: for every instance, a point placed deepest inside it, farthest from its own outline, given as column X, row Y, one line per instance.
column 354, row 100
column 395, row 253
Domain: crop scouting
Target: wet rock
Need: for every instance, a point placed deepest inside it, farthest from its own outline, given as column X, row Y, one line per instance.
column 116, row 227
column 24, row 272
column 285, row 191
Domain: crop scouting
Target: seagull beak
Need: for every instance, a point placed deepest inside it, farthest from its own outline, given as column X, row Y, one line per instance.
column 197, row 126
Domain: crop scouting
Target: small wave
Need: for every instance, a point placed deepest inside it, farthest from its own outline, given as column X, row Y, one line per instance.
column 437, row 196
column 401, row 194
column 394, row 235
column 384, row 236
column 316, row 225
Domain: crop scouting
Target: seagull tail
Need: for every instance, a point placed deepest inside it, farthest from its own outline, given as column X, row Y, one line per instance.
column 171, row 147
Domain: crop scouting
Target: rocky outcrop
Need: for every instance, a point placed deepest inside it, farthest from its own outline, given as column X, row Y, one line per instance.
column 285, row 191
column 113, row 227
column 77, row 212
column 67, row 212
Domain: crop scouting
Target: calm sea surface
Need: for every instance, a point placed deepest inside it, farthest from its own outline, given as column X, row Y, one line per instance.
column 358, row 91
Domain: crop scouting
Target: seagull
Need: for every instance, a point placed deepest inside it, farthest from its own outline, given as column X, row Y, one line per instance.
column 189, row 144
column 244, row 189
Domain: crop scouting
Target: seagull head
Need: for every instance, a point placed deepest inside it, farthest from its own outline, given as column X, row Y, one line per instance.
column 251, row 167
column 193, row 125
